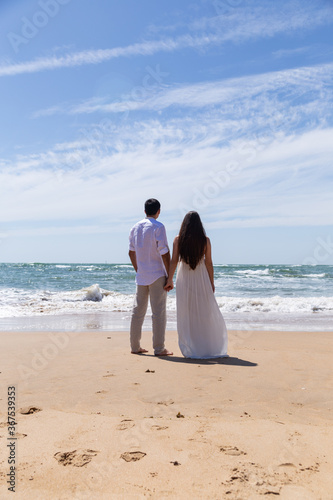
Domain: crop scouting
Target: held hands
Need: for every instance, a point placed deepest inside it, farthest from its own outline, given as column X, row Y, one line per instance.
column 169, row 285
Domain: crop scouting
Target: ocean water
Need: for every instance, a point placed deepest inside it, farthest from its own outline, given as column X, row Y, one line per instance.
column 37, row 296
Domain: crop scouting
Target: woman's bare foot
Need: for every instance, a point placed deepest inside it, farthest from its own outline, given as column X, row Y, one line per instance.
column 140, row 351
column 165, row 352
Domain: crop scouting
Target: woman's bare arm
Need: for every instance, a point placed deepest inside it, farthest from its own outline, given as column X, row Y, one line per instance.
column 209, row 263
column 173, row 265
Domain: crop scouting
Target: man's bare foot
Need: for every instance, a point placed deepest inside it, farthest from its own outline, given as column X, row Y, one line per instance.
column 140, row 351
column 165, row 352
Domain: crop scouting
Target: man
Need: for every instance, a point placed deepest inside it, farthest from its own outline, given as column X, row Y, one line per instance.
column 150, row 257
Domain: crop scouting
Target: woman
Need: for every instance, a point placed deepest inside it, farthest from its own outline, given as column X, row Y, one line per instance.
column 201, row 328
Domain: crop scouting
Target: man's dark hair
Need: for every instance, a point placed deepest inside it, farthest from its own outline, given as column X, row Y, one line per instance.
column 152, row 206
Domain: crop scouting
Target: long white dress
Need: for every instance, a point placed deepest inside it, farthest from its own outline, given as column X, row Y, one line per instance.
column 202, row 333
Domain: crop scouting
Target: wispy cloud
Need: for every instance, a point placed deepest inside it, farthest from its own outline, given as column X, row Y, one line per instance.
column 58, row 230
column 257, row 19
column 257, row 104
column 245, row 23
column 246, row 152
column 97, row 56
column 281, row 180
column 279, row 54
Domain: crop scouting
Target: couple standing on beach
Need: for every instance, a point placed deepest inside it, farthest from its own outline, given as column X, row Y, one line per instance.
column 202, row 333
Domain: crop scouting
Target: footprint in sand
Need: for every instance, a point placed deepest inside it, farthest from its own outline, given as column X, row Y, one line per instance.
column 29, row 410
column 75, row 458
column 232, row 450
column 132, row 456
column 20, row 436
column 166, row 403
column 159, row 427
column 125, row 424
column 271, row 491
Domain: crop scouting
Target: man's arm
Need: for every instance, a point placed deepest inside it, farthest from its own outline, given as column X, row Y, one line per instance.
column 162, row 247
column 132, row 256
column 166, row 262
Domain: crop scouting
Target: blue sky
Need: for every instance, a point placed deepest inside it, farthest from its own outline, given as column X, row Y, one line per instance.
column 222, row 106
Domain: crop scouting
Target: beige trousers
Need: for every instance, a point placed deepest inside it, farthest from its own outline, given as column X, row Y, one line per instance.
column 158, row 297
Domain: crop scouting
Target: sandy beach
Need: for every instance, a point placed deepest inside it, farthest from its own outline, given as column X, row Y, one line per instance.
column 96, row 422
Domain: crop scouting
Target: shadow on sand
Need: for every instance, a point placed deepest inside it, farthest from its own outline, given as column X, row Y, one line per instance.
column 215, row 361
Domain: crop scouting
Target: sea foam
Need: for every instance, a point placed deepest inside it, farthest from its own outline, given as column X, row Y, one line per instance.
column 93, row 298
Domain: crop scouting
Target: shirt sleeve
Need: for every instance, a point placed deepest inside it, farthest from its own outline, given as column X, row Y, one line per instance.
column 161, row 241
column 131, row 240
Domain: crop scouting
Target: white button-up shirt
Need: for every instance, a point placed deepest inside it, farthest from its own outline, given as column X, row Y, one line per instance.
column 148, row 240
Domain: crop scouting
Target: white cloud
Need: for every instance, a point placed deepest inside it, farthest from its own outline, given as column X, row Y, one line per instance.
column 245, row 23
column 243, row 183
column 305, row 91
column 103, row 55
column 255, row 19
column 58, row 230
column 291, row 52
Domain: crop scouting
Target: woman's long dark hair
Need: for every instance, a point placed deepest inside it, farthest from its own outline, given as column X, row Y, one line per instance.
column 192, row 240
